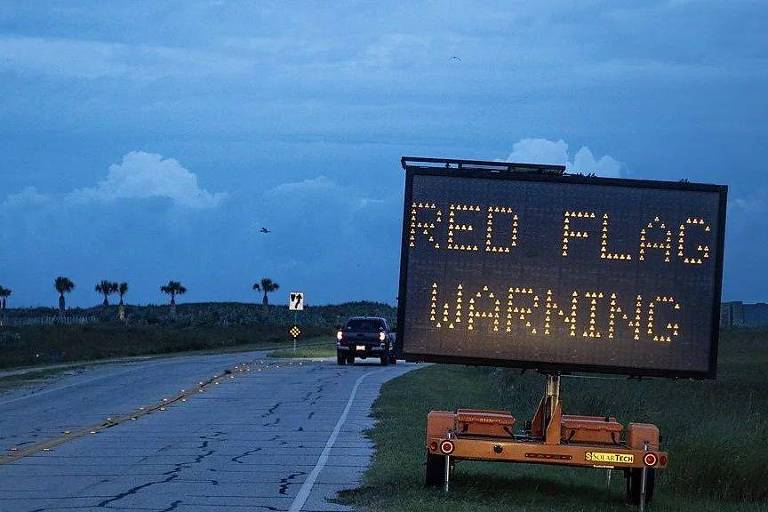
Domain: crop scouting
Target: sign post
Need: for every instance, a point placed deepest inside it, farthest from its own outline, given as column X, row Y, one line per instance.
column 295, row 304
column 295, row 332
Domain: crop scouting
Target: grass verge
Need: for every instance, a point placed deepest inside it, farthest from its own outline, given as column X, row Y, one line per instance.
column 10, row 382
column 47, row 345
column 715, row 433
column 312, row 351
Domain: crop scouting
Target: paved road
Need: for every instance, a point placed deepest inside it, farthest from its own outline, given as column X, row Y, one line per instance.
column 282, row 436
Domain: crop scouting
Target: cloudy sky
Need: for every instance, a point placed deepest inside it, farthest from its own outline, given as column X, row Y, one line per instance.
column 147, row 141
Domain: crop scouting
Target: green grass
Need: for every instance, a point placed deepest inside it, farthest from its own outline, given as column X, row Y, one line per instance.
column 319, row 347
column 58, row 344
column 11, row 382
column 715, row 432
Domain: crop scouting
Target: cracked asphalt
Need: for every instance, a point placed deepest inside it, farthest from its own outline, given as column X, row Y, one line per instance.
column 285, row 435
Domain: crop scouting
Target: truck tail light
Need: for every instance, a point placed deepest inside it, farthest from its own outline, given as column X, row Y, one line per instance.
column 433, row 446
column 447, row 447
column 382, row 336
column 650, row 459
column 339, row 335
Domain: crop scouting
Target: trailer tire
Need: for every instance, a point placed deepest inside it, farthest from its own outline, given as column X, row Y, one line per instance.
column 634, row 480
column 341, row 358
column 351, row 359
column 384, row 360
column 393, row 359
column 435, row 471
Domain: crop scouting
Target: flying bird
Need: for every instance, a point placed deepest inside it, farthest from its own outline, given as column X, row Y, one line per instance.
column 454, row 59
column 265, row 230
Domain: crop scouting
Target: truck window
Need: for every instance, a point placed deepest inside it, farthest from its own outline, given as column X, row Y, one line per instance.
column 365, row 325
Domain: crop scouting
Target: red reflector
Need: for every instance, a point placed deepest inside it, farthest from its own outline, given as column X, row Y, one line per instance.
column 446, row 447
column 663, row 460
column 433, row 446
column 650, row 459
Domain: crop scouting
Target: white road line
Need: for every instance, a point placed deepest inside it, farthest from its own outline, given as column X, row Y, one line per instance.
column 306, row 488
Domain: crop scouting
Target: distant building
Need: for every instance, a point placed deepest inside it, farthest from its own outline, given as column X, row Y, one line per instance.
column 738, row 314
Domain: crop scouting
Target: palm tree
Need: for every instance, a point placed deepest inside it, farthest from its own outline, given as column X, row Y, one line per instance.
column 106, row 288
column 4, row 294
column 122, row 289
column 173, row 288
column 63, row 285
column 267, row 286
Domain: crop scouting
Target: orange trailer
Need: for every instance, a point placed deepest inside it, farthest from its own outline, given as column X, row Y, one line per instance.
column 517, row 265
column 551, row 437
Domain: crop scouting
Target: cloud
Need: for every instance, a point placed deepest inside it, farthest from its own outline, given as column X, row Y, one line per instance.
column 606, row 165
column 323, row 188
column 320, row 184
column 87, row 59
column 29, row 196
column 556, row 152
column 332, row 236
column 755, row 202
column 148, row 175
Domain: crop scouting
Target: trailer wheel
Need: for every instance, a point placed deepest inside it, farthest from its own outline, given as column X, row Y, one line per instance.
column 634, row 480
column 393, row 359
column 384, row 360
column 435, row 470
column 341, row 358
column 351, row 359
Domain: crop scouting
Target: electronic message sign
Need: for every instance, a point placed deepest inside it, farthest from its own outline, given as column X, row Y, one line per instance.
column 559, row 272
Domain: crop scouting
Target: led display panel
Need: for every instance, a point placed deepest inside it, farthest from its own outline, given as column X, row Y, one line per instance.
column 561, row 272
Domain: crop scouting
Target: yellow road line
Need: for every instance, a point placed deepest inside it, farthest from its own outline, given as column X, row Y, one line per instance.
column 15, row 454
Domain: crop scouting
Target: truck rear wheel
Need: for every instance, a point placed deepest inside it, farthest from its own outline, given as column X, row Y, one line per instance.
column 341, row 358
column 393, row 359
column 351, row 359
column 384, row 360
column 634, row 483
column 435, row 472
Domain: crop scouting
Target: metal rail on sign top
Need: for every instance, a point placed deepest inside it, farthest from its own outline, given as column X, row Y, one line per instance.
column 479, row 165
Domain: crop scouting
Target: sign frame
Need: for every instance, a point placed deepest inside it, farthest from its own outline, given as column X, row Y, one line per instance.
column 478, row 169
column 296, row 306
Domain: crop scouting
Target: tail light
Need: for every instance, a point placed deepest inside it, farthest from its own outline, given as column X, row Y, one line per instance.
column 382, row 336
column 339, row 335
column 447, row 447
column 650, row 459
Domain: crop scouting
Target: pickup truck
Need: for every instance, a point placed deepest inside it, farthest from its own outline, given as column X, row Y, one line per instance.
column 363, row 337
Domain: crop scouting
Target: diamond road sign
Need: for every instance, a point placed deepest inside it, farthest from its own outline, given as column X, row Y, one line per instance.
column 296, row 301
column 295, row 331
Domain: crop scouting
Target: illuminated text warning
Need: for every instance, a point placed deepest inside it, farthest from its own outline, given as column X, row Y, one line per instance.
column 561, row 272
